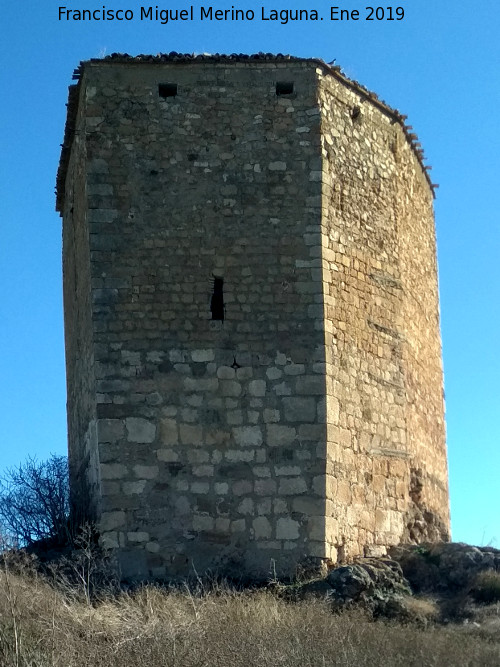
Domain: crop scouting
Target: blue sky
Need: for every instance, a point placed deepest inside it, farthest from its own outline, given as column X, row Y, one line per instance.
column 439, row 65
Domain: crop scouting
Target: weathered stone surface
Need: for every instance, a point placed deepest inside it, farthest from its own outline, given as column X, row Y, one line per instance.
column 202, row 355
column 134, row 488
column 226, row 373
column 112, row 520
column 262, row 528
column 299, row 409
column 248, row 436
column 287, row 529
column 257, row 388
column 433, row 567
column 138, row 536
column 292, row 486
column 110, row 430
column 310, row 385
column 375, row 583
column 277, row 435
column 167, row 455
column 190, row 434
column 113, row 471
column 169, row 432
column 140, row 430
column 146, row 472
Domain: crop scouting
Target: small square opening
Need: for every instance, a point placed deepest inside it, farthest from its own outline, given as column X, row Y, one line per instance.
column 167, row 89
column 284, row 87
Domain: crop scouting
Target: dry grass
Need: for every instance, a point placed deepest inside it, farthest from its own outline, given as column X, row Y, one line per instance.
column 421, row 610
column 486, row 587
column 41, row 626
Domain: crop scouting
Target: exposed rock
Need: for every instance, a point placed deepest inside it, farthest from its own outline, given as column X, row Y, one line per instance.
column 444, row 566
column 376, row 584
column 421, row 584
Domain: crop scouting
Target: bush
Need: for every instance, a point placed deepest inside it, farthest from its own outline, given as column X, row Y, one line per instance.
column 486, row 587
column 85, row 571
column 34, row 502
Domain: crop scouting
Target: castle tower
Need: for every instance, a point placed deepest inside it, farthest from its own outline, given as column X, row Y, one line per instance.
column 251, row 315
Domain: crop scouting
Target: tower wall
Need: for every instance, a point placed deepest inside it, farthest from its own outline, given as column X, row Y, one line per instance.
column 383, row 355
column 207, row 429
column 79, row 333
column 307, row 424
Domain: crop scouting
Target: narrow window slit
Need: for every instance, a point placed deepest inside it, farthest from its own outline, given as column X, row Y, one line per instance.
column 217, row 300
column 167, row 89
column 284, row 87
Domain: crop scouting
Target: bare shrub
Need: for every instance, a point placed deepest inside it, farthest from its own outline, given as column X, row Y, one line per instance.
column 34, row 501
column 85, row 571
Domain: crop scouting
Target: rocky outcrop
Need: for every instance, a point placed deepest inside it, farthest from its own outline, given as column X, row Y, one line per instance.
column 446, row 567
column 415, row 583
column 375, row 584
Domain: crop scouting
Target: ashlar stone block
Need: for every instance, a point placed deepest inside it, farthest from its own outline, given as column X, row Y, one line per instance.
column 191, row 434
column 138, row 536
column 278, row 435
column 134, row 488
column 146, row 471
column 113, row 471
column 110, row 430
column 257, row 388
column 262, row 528
column 112, row 520
column 140, row 430
column 292, row 486
column 203, row 355
column 299, row 409
column 287, row 529
column 248, row 436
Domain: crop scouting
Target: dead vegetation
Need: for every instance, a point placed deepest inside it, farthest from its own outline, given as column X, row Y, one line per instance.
column 486, row 587
column 47, row 623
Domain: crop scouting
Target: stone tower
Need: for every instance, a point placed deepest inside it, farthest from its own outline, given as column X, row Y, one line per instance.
column 251, row 315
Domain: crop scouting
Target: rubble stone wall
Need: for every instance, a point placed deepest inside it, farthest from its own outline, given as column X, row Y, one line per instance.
column 384, row 376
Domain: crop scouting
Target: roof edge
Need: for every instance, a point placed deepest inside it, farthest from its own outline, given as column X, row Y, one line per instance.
column 69, row 133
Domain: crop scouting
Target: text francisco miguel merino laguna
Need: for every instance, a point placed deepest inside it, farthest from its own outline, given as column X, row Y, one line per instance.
column 210, row 13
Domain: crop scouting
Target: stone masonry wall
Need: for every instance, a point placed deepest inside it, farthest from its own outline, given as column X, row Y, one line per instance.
column 81, row 403
column 308, row 424
column 208, row 430
column 383, row 358
column 428, row 515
